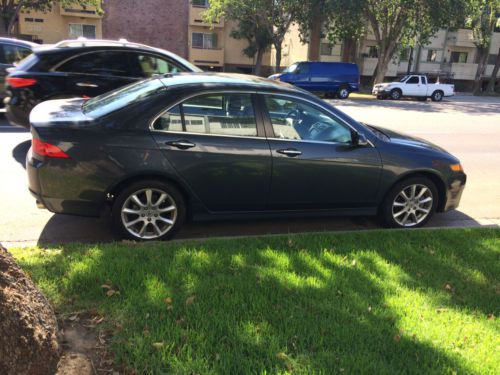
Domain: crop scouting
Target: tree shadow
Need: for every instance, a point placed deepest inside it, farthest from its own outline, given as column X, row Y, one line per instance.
column 305, row 304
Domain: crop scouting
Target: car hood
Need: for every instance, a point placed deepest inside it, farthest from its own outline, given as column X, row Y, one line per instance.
column 408, row 140
column 274, row 76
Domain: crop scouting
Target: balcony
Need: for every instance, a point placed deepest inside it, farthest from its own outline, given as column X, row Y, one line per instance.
column 204, row 56
column 74, row 10
column 463, row 71
column 196, row 17
column 461, row 38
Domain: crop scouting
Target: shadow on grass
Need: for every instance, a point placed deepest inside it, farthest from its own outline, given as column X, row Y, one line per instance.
column 306, row 303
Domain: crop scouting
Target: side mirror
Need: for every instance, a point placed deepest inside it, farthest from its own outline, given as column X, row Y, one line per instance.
column 360, row 140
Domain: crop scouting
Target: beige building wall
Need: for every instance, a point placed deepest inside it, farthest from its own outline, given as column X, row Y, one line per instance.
column 54, row 26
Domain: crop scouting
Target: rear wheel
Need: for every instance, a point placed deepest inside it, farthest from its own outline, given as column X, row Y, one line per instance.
column 343, row 92
column 396, row 94
column 410, row 203
column 148, row 210
column 437, row 96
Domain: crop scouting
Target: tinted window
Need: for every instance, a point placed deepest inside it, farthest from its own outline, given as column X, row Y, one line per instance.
column 413, row 80
column 303, row 69
column 117, row 99
column 13, row 54
column 224, row 114
column 170, row 121
column 151, row 65
column 296, row 120
column 112, row 63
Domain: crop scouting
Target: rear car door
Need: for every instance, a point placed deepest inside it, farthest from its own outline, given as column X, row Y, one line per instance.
column 315, row 164
column 93, row 73
column 217, row 145
column 10, row 55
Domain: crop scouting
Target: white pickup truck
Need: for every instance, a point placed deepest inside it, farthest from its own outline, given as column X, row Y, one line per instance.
column 415, row 86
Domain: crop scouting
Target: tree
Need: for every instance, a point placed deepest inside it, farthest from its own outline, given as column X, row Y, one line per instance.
column 483, row 20
column 10, row 10
column 269, row 20
column 402, row 23
column 494, row 74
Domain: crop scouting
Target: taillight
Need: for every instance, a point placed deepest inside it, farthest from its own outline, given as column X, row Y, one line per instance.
column 18, row 82
column 46, row 149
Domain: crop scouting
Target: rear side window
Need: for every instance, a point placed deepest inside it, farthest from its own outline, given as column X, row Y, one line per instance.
column 151, row 65
column 112, row 63
column 13, row 54
column 218, row 114
column 103, row 104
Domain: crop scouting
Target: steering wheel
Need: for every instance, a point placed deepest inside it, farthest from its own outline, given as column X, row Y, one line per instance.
column 294, row 114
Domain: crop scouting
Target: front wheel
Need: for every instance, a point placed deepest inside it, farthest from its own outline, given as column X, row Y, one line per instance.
column 410, row 203
column 148, row 210
column 396, row 94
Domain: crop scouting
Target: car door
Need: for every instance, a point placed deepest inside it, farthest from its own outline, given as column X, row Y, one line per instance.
column 413, row 87
column 217, row 145
column 93, row 73
column 315, row 164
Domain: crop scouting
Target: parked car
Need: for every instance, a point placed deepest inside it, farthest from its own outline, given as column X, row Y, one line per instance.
column 83, row 68
column 11, row 52
column 227, row 146
column 330, row 78
column 417, row 86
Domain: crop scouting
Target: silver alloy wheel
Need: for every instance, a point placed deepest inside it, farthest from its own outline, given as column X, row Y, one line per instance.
column 343, row 93
column 149, row 213
column 437, row 96
column 412, row 205
column 395, row 94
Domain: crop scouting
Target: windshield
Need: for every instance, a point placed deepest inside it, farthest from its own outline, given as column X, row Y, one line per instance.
column 291, row 68
column 111, row 101
column 401, row 79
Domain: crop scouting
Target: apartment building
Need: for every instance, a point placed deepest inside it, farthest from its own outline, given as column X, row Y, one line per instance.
column 61, row 22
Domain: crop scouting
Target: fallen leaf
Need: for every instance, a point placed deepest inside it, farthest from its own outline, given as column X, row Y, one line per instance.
column 491, row 317
column 110, row 292
column 158, row 345
column 168, row 300
column 397, row 338
column 440, row 310
column 105, row 286
column 170, row 307
column 369, row 309
column 448, row 287
column 190, row 300
column 353, row 263
column 73, row 318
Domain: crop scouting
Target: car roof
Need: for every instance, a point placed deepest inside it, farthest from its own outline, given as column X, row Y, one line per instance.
column 226, row 80
column 19, row 42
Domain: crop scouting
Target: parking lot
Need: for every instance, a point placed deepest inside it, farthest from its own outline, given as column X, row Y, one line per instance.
column 468, row 127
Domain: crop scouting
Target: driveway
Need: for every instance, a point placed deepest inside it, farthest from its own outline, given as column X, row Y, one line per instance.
column 469, row 127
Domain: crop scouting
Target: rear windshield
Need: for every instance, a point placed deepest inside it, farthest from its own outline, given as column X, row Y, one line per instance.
column 26, row 63
column 111, row 101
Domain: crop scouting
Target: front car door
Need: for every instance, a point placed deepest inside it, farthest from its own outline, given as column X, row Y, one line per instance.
column 217, row 145
column 315, row 164
column 412, row 86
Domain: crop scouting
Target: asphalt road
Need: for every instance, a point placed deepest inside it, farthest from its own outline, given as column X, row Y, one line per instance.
column 468, row 127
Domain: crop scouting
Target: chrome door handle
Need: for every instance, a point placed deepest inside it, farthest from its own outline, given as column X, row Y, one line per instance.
column 291, row 152
column 86, row 84
column 181, row 144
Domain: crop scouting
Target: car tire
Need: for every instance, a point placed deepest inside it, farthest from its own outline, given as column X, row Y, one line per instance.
column 380, row 97
column 409, row 204
column 437, row 96
column 152, row 219
column 396, row 94
column 343, row 92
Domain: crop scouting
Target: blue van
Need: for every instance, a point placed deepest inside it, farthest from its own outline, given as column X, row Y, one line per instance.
column 330, row 78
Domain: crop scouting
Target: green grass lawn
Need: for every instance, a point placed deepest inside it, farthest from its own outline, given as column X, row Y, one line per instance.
column 379, row 302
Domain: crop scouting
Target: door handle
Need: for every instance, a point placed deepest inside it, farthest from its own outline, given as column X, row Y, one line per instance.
column 181, row 144
column 86, row 84
column 290, row 152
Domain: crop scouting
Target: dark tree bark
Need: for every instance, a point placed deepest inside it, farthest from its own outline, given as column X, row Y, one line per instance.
column 494, row 74
column 481, row 67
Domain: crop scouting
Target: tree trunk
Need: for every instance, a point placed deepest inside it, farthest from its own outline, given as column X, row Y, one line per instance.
column 481, row 66
column 278, row 57
column 258, row 62
column 3, row 27
column 382, row 66
column 349, row 46
column 491, row 84
column 315, row 37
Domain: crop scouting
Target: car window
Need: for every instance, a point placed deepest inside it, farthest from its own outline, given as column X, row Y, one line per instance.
column 151, row 65
column 221, row 114
column 111, row 63
column 13, row 54
column 295, row 120
column 303, row 68
column 413, row 80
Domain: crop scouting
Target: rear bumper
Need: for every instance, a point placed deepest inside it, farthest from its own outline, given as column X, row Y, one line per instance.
column 17, row 115
column 455, row 188
column 39, row 175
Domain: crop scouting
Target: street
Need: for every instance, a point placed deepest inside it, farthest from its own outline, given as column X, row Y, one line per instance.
column 468, row 127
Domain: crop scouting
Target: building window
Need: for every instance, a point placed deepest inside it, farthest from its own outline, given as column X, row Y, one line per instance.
column 459, row 57
column 200, row 3
column 492, row 59
column 432, row 55
column 204, row 40
column 328, row 49
column 373, row 52
column 404, row 54
column 77, row 30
